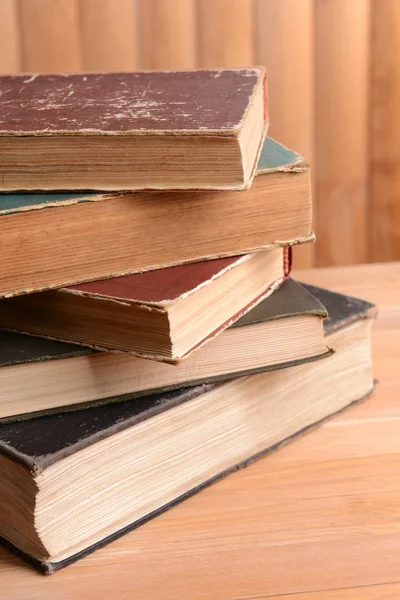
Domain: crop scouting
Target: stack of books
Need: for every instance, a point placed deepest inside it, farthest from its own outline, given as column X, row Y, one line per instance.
column 151, row 338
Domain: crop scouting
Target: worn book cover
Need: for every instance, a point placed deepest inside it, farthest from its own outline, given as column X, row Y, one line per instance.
column 40, row 445
column 40, row 376
column 156, row 315
column 121, row 131
column 62, row 239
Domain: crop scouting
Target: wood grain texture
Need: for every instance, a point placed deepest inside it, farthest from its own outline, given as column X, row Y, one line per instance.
column 342, row 75
column 285, row 45
column 322, row 512
column 50, row 32
column 225, row 30
column 384, row 213
column 390, row 591
column 9, row 37
column 167, row 34
column 109, row 36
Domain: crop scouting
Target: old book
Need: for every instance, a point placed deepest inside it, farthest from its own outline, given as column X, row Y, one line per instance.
column 74, row 482
column 62, row 239
column 160, row 315
column 127, row 131
column 38, row 376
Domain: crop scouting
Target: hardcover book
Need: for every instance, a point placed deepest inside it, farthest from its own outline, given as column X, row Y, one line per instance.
column 57, row 240
column 75, row 481
column 127, row 131
column 38, row 376
column 161, row 315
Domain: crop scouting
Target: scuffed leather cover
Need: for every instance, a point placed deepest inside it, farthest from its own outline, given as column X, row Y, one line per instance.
column 342, row 310
column 119, row 103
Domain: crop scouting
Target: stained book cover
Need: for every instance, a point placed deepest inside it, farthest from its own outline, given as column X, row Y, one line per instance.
column 204, row 102
column 42, row 442
column 132, row 116
column 288, row 301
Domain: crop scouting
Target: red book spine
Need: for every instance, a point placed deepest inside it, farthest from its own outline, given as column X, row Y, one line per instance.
column 287, row 260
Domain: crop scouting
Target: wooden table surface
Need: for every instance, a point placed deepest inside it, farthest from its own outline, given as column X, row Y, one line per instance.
column 317, row 520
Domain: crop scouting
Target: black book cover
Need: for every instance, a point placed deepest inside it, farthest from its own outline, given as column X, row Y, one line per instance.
column 39, row 443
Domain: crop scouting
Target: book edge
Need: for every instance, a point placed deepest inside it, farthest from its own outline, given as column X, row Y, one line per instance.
column 294, row 166
column 48, row 567
column 85, row 351
column 309, row 238
column 164, row 390
column 37, row 464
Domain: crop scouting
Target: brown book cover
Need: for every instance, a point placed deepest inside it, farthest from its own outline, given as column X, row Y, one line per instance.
column 161, row 315
column 315, row 392
column 157, row 288
column 57, row 240
column 118, row 131
column 40, row 376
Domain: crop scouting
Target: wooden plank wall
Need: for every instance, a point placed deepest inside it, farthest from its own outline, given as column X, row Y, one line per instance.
column 334, row 74
column 384, row 167
column 342, row 116
column 288, row 53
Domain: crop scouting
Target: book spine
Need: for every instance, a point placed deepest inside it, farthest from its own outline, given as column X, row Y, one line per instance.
column 287, row 260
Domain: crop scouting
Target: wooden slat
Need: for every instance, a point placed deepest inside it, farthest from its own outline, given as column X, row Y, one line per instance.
column 108, row 35
column 384, row 216
column 167, row 29
column 342, row 75
column 9, row 37
column 285, row 46
column 225, row 29
column 50, row 30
